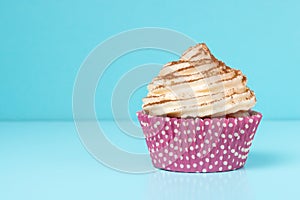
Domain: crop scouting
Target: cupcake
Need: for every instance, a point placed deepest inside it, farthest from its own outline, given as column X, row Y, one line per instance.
column 197, row 116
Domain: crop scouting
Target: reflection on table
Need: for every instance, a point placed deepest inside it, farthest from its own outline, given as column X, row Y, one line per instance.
column 173, row 185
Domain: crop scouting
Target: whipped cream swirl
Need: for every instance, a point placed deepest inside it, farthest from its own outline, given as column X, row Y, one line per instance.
column 198, row 85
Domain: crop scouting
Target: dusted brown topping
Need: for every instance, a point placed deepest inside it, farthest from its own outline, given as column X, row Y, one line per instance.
column 231, row 95
column 198, row 85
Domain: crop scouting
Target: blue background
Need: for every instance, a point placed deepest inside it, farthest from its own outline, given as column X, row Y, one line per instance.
column 43, row 43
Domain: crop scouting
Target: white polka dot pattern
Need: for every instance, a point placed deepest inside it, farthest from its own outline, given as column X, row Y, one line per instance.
column 199, row 145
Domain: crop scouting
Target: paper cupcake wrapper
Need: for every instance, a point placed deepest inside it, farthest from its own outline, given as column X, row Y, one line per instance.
column 199, row 145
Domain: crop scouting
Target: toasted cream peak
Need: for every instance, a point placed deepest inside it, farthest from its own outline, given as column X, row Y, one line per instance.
column 198, row 52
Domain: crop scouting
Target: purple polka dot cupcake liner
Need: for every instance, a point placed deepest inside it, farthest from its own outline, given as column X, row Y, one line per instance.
column 199, row 144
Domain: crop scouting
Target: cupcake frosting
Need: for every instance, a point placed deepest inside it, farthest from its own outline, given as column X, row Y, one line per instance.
column 198, row 85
